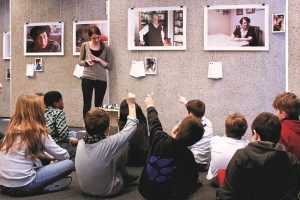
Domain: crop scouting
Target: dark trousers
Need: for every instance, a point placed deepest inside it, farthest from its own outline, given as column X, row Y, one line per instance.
column 88, row 86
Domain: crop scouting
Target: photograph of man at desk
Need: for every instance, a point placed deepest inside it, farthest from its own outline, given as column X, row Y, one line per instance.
column 235, row 28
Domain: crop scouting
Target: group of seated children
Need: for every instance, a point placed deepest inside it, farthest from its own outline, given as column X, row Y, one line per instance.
column 265, row 168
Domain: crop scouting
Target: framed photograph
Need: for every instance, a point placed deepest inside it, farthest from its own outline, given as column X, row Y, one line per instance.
column 81, row 29
column 250, row 10
column 6, row 46
column 157, row 28
column 38, row 65
column 150, row 65
column 44, row 38
column 278, row 23
column 239, row 11
column 8, row 75
column 225, row 29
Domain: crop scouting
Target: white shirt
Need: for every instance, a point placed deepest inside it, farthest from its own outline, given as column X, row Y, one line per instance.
column 18, row 171
column 145, row 30
column 201, row 149
column 222, row 150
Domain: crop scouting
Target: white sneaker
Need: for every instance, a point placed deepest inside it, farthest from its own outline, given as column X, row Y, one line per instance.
column 61, row 184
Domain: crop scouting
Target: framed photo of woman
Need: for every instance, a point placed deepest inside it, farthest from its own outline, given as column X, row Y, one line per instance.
column 44, row 38
column 278, row 23
column 236, row 27
column 80, row 33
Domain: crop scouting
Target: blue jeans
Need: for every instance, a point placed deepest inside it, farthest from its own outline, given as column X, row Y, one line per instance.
column 44, row 177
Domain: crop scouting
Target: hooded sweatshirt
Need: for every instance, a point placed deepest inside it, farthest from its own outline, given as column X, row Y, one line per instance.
column 290, row 136
column 263, row 171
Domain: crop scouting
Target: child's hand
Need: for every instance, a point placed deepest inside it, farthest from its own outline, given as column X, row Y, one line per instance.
column 74, row 141
column 181, row 99
column 149, row 100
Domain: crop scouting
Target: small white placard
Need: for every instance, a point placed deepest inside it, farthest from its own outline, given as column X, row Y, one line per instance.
column 137, row 69
column 78, row 71
column 215, row 70
column 30, row 70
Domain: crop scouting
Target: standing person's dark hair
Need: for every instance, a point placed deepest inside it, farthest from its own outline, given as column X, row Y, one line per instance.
column 96, row 58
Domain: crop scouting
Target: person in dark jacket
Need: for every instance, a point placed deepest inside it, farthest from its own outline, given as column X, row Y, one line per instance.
column 262, row 170
column 287, row 106
column 170, row 172
column 139, row 143
column 245, row 32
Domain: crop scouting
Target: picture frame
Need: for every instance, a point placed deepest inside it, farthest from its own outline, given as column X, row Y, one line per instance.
column 80, row 33
column 6, row 46
column 167, row 33
column 150, row 65
column 222, row 28
column 239, row 11
column 250, row 10
column 38, row 65
column 8, row 74
column 44, row 39
column 278, row 23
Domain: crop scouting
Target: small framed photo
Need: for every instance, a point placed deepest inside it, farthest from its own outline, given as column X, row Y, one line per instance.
column 250, row 10
column 81, row 30
column 38, row 65
column 44, row 38
column 239, row 11
column 278, row 23
column 8, row 75
column 150, row 65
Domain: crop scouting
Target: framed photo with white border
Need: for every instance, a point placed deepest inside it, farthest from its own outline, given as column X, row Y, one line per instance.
column 150, row 65
column 38, row 65
column 6, row 46
column 278, row 23
column 225, row 28
column 80, row 33
column 44, row 39
column 157, row 28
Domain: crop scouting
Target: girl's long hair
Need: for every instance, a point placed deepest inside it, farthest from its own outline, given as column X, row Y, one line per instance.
column 28, row 123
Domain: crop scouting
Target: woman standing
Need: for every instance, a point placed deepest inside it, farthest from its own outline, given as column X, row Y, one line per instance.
column 96, row 58
column 21, row 173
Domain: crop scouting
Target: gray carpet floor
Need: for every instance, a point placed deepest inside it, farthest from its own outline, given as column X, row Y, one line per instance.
column 206, row 192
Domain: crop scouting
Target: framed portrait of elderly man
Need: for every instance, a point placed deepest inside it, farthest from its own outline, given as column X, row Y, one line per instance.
column 236, row 27
column 44, row 38
column 157, row 28
column 81, row 33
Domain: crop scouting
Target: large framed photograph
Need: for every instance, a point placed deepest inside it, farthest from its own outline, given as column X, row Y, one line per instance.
column 44, row 38
column 157, row 28
column 236, row 27
column 81, row 29
column 278, row 23
column 6, row 46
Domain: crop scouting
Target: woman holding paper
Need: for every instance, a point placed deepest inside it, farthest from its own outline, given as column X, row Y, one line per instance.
column 96, row 58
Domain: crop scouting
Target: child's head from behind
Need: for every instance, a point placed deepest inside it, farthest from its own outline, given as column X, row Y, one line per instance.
column 287, row 105
column 96, row 121
column 124, row 111
column 54, row 99
column 267, row 126
column 189, row 131
column 196, row 108
column 235, row 125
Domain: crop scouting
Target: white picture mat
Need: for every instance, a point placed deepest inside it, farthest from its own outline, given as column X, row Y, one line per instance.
column 133, row 21
column 6, row 45
column 103, row 25
column 59, row 25
column 219, row 45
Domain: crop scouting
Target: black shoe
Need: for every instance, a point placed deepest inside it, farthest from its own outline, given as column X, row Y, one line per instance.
column 129, row 178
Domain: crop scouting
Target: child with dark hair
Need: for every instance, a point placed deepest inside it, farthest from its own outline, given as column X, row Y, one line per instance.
column 262, row 170
column 287, row 106
column 56, row 122
column 223, row 147
column 138, row 144
column 100, row 160
column 200, row 149
column 171, row 170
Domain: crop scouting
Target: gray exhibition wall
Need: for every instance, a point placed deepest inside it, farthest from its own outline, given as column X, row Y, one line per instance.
column 251, row 79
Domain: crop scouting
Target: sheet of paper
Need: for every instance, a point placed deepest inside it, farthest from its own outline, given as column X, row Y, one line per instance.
column 78, row 71
column 137, row 69
column 30, row 70
column 215, row 70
